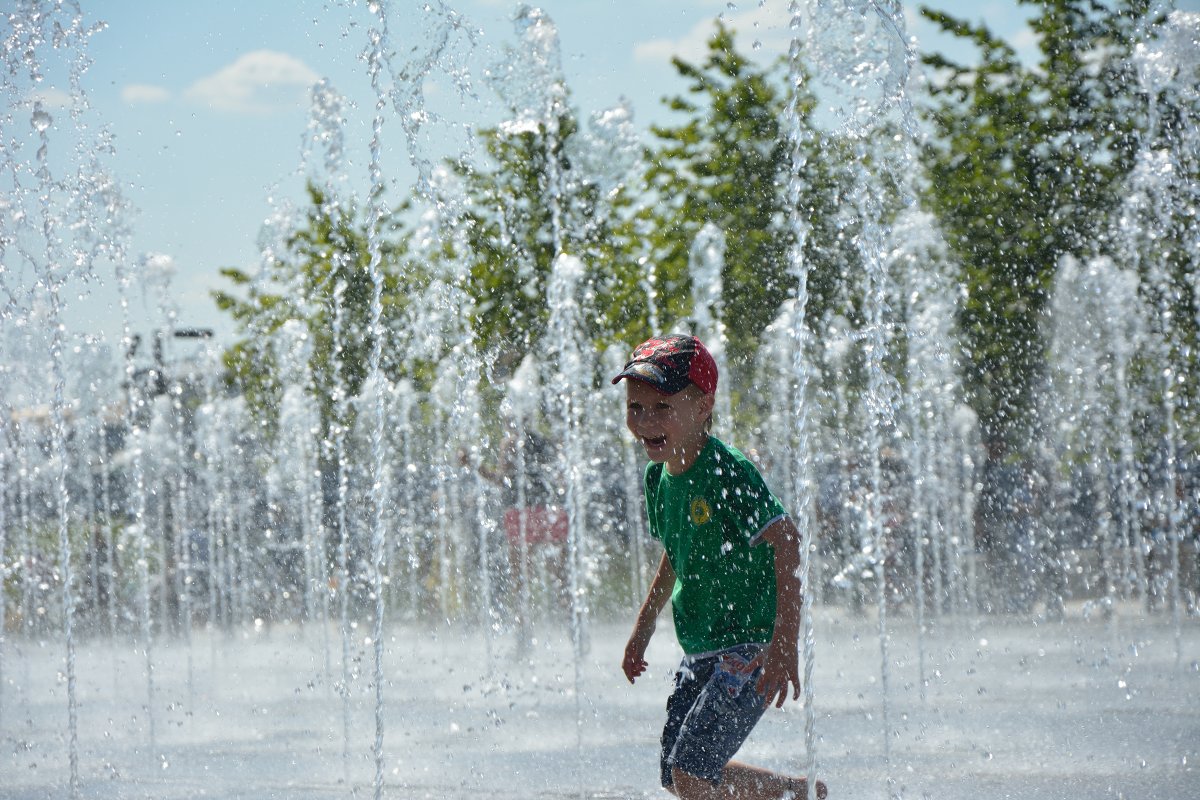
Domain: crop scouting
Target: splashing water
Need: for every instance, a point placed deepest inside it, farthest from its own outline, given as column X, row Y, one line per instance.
column 797, row 332
column 418, row 536
column 1166, row 67
column 38, row 243
column 863, row 60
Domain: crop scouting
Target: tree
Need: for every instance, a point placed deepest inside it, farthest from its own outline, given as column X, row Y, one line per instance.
column 1026, row 167
column 533, row 199
column 728, row 165
column 321, row 272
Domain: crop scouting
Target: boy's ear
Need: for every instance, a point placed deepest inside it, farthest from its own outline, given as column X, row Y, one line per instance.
column 706, row 404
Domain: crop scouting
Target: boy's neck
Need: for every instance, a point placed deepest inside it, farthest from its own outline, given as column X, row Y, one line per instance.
column 683, row 460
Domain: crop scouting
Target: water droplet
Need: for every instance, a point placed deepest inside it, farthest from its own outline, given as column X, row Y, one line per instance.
column 41, row 120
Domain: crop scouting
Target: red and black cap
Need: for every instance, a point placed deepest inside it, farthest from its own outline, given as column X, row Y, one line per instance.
column 669, row 363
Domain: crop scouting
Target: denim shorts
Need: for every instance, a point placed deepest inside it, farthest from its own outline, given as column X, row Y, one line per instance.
column 710, row 713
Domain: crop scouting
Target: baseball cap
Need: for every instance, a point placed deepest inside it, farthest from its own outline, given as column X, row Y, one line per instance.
column 669, row 363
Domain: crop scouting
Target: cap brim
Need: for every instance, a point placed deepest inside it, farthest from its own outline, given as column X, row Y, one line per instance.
column 651, row 375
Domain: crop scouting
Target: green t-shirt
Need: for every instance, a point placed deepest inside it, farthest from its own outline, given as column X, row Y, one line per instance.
column 709, row 520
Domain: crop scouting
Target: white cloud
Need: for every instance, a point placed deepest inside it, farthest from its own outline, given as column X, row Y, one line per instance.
column 144, row 94
column 1026, row 42
column 258, row 83
column 690, row 47
column 766, row 25
column 912, row 16
column 51, row 98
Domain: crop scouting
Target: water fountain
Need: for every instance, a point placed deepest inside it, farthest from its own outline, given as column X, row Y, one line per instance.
column 349, row 578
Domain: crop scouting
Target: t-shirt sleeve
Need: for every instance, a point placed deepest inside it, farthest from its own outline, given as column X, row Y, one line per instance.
column 650, row 484
column 752, row 506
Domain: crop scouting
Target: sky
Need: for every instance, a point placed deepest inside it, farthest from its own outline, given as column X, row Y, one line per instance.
column 208, row 105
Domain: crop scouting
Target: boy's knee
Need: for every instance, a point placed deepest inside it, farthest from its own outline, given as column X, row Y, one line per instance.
column 686, row 786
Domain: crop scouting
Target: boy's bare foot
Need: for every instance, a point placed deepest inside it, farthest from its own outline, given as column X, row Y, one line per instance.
column 798, row 787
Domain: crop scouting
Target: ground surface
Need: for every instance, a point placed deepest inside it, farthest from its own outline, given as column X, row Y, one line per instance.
column 1079, row 709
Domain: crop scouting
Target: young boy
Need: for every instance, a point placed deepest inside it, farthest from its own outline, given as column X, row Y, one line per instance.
column 730, row 571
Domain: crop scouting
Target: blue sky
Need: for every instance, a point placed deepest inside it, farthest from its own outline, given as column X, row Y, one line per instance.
column 208, row 103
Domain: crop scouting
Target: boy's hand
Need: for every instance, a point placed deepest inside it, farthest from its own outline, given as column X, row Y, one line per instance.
column 634, row 663
column 781, row 666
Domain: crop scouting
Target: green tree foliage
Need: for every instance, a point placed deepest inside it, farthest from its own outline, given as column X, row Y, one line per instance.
column 728, row 164
column 531, row 200
column 540, row 190
column 1026, row 166
column 323, row 266
column 538, row 196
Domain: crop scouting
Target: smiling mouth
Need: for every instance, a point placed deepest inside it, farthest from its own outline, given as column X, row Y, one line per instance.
column 654, row 442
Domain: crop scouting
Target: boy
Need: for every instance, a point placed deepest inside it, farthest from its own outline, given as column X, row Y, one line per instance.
column 729, row 569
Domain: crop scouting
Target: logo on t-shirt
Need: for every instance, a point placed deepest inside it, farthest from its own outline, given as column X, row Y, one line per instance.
column 701, row 513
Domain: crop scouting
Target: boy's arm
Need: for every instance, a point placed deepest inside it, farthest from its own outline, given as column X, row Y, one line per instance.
column 781, row 659
column 634, row 663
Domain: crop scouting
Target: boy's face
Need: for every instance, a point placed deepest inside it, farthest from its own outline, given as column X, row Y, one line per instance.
column 670, row 428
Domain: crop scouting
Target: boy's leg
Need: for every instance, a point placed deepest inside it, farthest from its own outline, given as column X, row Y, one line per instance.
column 744, row 782
column 748, row 782
column 708, row 721
column 709, row 716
